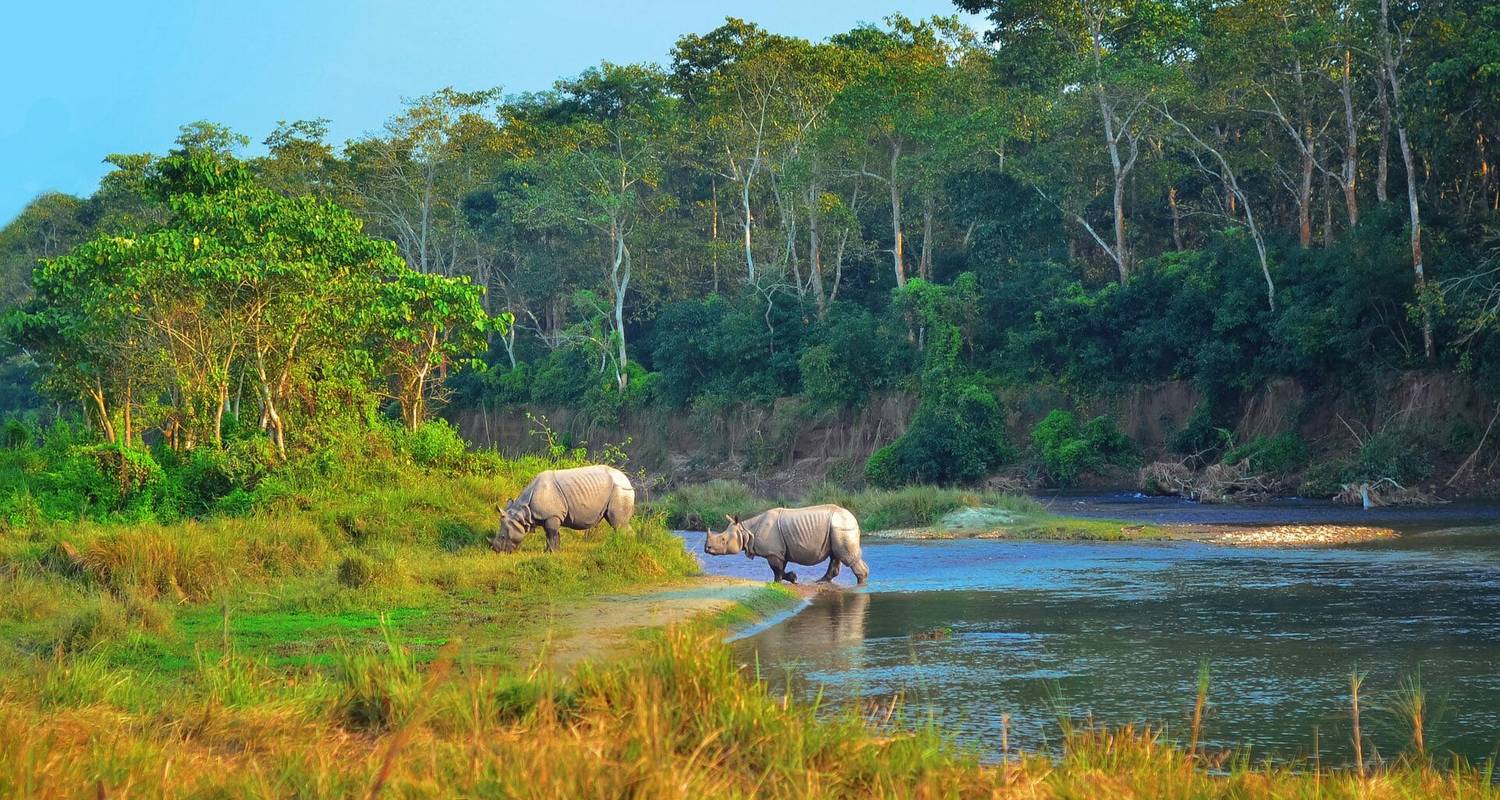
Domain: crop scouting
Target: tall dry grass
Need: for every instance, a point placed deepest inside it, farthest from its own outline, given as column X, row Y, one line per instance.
column 678, row 720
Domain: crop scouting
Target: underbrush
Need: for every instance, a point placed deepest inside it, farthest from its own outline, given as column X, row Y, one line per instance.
column 680, row 719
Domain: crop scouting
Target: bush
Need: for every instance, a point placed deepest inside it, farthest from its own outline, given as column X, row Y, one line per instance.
column 16, row 434
column 434, row 443
column 1068, row 451
column 704, row 505
column 356, row 571
column 955, row 437
column 1323, row 480
column 1282, row 454
column 1400, row 455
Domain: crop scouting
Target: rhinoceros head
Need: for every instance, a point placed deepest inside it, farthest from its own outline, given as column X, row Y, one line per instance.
column 728, row 542
column 512, row 529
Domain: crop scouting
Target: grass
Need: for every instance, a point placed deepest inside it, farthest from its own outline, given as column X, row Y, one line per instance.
column 678, row 719
column 229, row 658
column 935, row 510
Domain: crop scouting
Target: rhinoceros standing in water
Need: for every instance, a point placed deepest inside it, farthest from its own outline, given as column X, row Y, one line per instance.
column 577, row 498
column 795, row 535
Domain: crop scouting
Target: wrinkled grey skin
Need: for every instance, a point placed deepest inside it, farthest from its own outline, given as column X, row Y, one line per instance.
column 795, row 536
column 577, row 498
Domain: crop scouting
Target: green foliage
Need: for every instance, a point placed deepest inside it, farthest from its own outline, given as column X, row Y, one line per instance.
column 957, row 434
column 435, row 443
column 1401, row 454
column 240, row 288
column 958, row 438
column 1282, row 454
column 1068, row 451
column 703, row 505
column 1323, row 479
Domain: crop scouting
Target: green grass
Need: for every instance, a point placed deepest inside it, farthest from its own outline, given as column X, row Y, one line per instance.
column 678, row 718
column 700, row 505
column 227, row 658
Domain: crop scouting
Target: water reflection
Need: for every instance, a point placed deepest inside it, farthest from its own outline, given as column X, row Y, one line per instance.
column 833, row 626
column 1116, row 632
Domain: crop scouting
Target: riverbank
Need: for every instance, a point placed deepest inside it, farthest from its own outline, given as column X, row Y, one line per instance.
column 362, row 640
column 926, row 512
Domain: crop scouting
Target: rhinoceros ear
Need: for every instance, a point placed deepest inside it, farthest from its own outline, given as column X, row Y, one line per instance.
column 733, row 520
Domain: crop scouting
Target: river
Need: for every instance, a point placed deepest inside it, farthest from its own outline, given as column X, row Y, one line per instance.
column 970, row 630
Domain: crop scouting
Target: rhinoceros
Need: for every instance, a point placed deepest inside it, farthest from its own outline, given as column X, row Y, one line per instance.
column 795, row 535
column 577, row 498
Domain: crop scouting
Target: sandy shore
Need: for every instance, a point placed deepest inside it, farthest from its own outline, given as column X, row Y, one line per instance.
column 1286, row 535
column 1235, row 535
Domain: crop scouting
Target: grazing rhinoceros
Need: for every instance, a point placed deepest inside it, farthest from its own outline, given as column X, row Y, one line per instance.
column 795, row 535
column 577, row 498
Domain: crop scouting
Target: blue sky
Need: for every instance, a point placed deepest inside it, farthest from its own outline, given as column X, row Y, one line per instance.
column 89, row 78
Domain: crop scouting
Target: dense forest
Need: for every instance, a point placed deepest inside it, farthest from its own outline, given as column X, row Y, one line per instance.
column 1091, row 195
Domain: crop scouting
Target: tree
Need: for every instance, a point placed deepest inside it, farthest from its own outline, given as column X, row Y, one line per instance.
column 601, row 144
column 1395, row 38
column 431, row 321
column 1111, row 51
column 240, row 284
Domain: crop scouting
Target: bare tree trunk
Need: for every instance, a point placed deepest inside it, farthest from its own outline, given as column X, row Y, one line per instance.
column 1120, row 168
column 897, row 241
column 268, row 400
column 1121, row 254
column 1350, row 174
column 746, row 223
column 127, row 422
column 1304, row 195
column 1392, row 63
column 620, row 277
column 1176, row 217
column 713, row 227
column 106, row 425
column 1383, row 155
column 924, row 264
column 1221, row 169
column 815, row 249
column 1419, row 273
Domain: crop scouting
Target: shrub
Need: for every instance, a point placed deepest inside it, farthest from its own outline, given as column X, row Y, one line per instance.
column 356, row 571
column 1068, row 451
column 703, row 505
column 434, row 443
column 1398, row 454
column 1323, row 480
column 956, row 437
column 16, row 434
column 1282, row 454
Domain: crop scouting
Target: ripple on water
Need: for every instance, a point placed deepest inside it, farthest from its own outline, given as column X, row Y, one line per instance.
column 1116, row 633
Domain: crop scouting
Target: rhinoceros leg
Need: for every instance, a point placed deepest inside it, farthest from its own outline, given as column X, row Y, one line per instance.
column 861, row 572
column 553, row 527
column 779, row 570
column 833, row 571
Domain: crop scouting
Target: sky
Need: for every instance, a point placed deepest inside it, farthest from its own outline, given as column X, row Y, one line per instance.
column 87, row 78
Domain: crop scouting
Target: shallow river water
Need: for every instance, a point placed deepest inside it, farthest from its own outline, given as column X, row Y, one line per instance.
column 1116, row 633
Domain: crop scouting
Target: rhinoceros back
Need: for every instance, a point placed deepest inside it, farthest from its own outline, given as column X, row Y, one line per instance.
column 811, row 534
column 580, row 496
